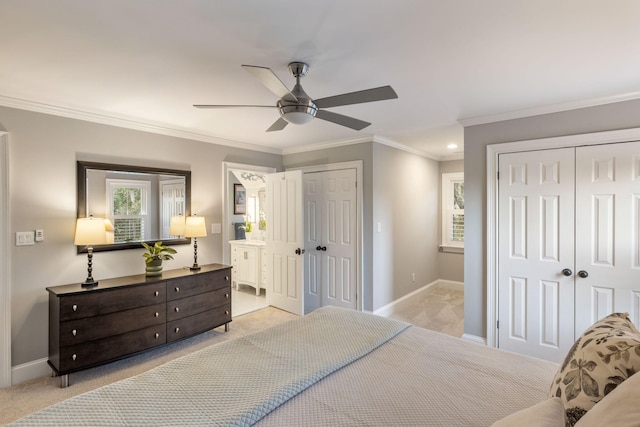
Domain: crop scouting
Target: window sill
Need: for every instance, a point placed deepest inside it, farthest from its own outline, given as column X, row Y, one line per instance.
column 451, row 249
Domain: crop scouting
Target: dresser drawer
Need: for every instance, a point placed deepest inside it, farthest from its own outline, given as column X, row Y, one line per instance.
column 197, row 284
column 111, row 300
column 185, row 307
column 198, row 323
column 79, row 356
column 93, row 328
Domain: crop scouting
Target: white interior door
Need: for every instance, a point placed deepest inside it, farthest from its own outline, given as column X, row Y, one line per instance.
column 330, row 239
column 285, row 241
column 535, row 244
column 607, row 232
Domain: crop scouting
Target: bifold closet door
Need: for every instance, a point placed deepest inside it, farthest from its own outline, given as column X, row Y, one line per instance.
column 607, row 232
column 536, row 253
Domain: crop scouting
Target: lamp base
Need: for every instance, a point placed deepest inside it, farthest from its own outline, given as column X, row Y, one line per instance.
column 88, row 283
column 194, row 267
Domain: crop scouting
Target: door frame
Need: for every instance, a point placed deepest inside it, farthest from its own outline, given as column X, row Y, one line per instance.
column 227, row 193
column 493, row 151
column 5, row 265
column 357, row 165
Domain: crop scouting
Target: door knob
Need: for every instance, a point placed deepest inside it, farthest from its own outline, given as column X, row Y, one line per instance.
column 567, row 272
column 583, row 274
column 321, row 248
column 299, row 251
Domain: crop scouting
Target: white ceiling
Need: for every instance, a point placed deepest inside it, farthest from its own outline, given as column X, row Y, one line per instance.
column 147, row 61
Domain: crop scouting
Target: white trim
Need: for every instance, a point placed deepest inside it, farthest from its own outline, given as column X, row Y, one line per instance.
column 358, row 166
column 5, row 265
column 30, row 370
column 386, row 310
column 474, row 338
column 126, row 122
column 227, row 210
column 448, row 179
column 451, row 249
column 493, row 151
column 548, row 109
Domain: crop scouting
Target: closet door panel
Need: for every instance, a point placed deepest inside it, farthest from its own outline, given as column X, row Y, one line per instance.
column 607, row 230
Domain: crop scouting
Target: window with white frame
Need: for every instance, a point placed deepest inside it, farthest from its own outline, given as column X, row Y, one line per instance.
column 128, row 209
column 453, row 210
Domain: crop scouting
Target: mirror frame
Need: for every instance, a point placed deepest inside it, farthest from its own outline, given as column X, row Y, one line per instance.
column 81, row 185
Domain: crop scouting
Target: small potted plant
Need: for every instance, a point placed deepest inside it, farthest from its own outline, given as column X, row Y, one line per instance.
column 154, row 256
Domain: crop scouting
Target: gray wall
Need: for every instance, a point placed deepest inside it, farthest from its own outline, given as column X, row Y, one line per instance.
column 450, row 265
column 43, row 154
column 621, row 115
column 405, row 204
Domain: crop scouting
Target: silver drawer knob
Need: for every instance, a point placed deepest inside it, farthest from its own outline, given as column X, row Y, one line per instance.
column 177, row 289
column 157, row 314
column 177, row 330
column 74, row 307
column 226, row 295
column 226, row 278
column 157, row 293
column 74, row 332
column 226, row 312
column 177, row 309
column 73, row 357
column 157, row 335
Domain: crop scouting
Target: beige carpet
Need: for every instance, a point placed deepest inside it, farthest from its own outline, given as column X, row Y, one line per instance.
column 23, row 399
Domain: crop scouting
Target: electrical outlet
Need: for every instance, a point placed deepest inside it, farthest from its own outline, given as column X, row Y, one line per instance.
column 39, row 235
column 413, row 277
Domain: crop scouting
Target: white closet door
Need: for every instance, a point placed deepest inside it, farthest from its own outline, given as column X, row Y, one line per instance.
column 330, row 239
column 285, row 240
column 607, row 232
column 536, row 238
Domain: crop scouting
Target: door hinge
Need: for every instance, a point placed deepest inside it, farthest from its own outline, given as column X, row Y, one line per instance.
column 498, row 176
column 497, row 324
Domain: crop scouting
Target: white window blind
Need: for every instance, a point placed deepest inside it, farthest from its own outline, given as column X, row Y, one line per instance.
column 453, row 209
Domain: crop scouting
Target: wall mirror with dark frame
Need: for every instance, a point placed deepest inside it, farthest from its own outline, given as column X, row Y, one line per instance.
column 138, row 201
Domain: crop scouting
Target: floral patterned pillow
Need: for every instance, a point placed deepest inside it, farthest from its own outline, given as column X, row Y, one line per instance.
column 601, row 359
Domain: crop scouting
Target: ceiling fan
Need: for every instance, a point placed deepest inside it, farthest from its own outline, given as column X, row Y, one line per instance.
column 297, row 107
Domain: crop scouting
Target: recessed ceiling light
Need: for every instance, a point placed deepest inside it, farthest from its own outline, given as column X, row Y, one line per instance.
column 452, row 146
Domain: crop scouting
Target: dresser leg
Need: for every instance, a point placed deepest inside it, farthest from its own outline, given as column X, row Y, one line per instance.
column 226, row 327
column 64, row 381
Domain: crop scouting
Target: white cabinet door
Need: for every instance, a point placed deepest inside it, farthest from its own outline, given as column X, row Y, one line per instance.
column 536, row 238
column 285, row 241
column 607, row 232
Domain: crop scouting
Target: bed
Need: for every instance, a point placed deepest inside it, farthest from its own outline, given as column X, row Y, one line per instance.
column 332, row 367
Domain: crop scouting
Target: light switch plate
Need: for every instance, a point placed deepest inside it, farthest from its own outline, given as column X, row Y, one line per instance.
column 216, row 228
column 24, row 238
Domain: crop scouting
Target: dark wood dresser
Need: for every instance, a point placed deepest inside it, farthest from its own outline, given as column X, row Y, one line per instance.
column 126, row 315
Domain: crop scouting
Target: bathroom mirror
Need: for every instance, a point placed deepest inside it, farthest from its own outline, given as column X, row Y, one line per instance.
column 138, row 201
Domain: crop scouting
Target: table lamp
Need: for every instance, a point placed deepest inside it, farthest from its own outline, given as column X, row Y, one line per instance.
column 195, row 227
column 89, row 232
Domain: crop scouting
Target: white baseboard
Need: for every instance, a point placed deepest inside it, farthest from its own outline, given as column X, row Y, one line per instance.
column 474, row 338
column 437, row 284
column 30, row 371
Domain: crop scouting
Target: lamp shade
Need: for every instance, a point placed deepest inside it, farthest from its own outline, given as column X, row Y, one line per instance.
column 176, row 225
column 90, row 231
column 110, row 229
column 195, row 227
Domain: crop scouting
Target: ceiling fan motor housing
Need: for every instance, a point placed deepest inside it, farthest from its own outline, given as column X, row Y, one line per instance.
column 304, row 110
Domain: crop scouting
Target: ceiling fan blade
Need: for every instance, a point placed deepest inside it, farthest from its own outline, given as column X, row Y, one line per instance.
column 233, row 106
column 369, row 95
column 278, row 125
column 268, row 78
column 339, row 119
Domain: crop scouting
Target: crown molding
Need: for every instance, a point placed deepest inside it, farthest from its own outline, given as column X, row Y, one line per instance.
column 128, row 123
column 548, row 109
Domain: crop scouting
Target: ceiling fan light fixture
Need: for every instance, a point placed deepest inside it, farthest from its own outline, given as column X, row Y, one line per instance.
column 298, row 114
